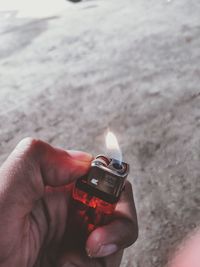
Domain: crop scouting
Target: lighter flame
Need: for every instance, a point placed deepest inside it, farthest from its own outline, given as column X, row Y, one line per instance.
column 111, row 141
column 113, row 149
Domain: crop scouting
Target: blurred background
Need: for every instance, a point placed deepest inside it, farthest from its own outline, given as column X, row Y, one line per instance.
column 69, row 71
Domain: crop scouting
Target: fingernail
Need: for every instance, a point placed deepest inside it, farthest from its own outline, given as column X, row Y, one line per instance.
column 79, row 155
column 103, row 251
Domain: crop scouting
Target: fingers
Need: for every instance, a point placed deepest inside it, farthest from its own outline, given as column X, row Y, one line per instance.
column 120, row 233
column 33, row 165
column 57, row 166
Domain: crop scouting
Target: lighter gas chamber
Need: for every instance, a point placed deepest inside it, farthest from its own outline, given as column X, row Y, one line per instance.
column 98, row 192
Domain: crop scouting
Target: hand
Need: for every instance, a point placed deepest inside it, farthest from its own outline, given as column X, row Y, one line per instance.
column 35, row 187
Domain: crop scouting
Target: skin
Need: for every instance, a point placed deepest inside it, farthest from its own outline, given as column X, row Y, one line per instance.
column 187, row 254
column 35, row 187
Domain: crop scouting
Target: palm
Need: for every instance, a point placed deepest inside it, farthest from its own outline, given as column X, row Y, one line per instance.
column 47, row 224
column 48, row 230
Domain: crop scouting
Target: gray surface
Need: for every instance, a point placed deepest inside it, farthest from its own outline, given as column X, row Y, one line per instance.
column 133, row 66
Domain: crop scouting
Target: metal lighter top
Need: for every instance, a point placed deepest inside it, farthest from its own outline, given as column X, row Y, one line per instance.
column 105, row 179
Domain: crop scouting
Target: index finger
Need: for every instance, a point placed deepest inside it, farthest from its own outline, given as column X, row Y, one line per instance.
column 33, row 165
column 120, row 233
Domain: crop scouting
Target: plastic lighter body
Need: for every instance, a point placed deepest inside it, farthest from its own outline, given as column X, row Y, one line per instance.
column 95, row 195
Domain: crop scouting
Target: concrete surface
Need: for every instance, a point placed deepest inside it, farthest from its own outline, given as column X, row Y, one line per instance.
column 132, row 66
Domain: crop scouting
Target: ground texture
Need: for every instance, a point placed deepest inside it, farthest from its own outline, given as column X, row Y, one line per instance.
column 132, row 66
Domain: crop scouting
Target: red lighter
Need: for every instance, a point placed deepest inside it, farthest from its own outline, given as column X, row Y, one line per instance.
column 96, row 194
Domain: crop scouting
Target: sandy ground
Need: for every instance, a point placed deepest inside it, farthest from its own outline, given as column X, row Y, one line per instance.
column 133, row 66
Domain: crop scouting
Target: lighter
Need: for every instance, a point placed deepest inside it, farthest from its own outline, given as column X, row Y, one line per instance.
column 96, row 194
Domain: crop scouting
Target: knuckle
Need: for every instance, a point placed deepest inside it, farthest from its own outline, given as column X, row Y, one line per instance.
column 136, row 233
column 129, row 186
column 29, row 146
column 27, row 142
column 130, row 234
column 133, row 234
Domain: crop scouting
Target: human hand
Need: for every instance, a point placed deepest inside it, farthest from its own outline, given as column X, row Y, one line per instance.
column 35, row 187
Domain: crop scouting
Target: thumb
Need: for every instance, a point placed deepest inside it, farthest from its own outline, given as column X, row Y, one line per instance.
column 33, row 165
